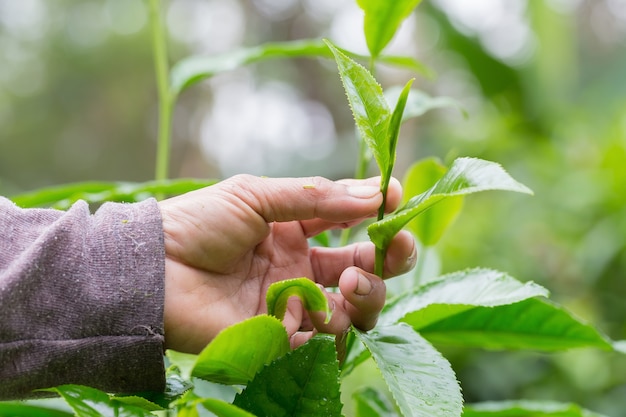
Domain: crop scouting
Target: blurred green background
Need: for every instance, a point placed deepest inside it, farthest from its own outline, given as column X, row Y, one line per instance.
column 543, row 83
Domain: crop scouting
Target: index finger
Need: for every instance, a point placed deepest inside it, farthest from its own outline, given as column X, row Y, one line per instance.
column 288, row 199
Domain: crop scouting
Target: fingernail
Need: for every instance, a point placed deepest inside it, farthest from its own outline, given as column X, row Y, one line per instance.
column 363, row 191
column 363, row 286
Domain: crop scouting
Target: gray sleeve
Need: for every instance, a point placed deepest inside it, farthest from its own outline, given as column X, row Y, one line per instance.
column 81, row 298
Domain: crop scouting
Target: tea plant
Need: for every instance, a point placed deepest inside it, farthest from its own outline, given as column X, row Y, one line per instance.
column 474, row 308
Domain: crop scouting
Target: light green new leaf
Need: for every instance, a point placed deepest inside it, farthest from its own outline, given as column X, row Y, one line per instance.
column 196, row 68
column 420, row 379
column 231, row 358
column 181, row 362
column 311, row 295
column 223, row 409
column 419, row 102
column 465, row 176
column 188, row 407
column 90, row 402
column 393, row 131
column 432, row 224
column 457, row 292
column 525, row 408
column 303, row 383
column 382, row 20
column 369, row 106
column 407, row 62
column 534, row 324
column 137, row 401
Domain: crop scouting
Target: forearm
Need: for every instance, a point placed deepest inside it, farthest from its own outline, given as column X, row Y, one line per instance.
column 81, row 298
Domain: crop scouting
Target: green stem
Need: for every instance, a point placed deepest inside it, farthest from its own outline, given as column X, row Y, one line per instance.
column 372, row 66
column 379, row 260
column 166, row 100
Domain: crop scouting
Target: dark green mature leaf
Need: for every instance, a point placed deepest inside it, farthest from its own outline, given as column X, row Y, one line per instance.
column 457, row 292
column 90, row 402
column 535, row 324
column 430, row 226
column 309, row 293
column 196, row 68
column 420, row 379
column 465, row 176
column 369, row 106
column 13, row 409
column 303, row 383
column 372, row 403
column 527, row 409
column 63, row 196
column 382, row 20
column 232, row 358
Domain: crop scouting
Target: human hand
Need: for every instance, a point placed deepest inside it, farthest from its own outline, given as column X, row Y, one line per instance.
column 227, row 243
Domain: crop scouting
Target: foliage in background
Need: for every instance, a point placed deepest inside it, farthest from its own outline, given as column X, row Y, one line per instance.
column 602, row 247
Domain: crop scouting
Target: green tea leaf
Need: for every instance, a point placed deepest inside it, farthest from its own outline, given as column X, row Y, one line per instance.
column 526, row 408
column 308, row 378
column 372, row 403
column 419, row 102
column 535, row 324
column 15, row 409
column 223, row 409
column 137, row 401
column 457, row 292
column 369, row 106
column 432, row 224
column 216, row 406
column 407, row 62
column 489, row 309
column 382, row 20
column 394, row 129
column 231, row 357
column 63, row 196
column 420, row 379
column 196, row 68
column 465, row 176
column 90, row 402
column 175, row 387
column 182, row 362
column 309, row 293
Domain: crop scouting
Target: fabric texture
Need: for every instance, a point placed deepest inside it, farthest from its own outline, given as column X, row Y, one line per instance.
column 81, row 298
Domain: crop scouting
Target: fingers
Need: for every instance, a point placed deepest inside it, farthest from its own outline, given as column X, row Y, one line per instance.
column 394, row 196
column 331, row 202
column 329, row 263
column 364, row 297
column 361, row 298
